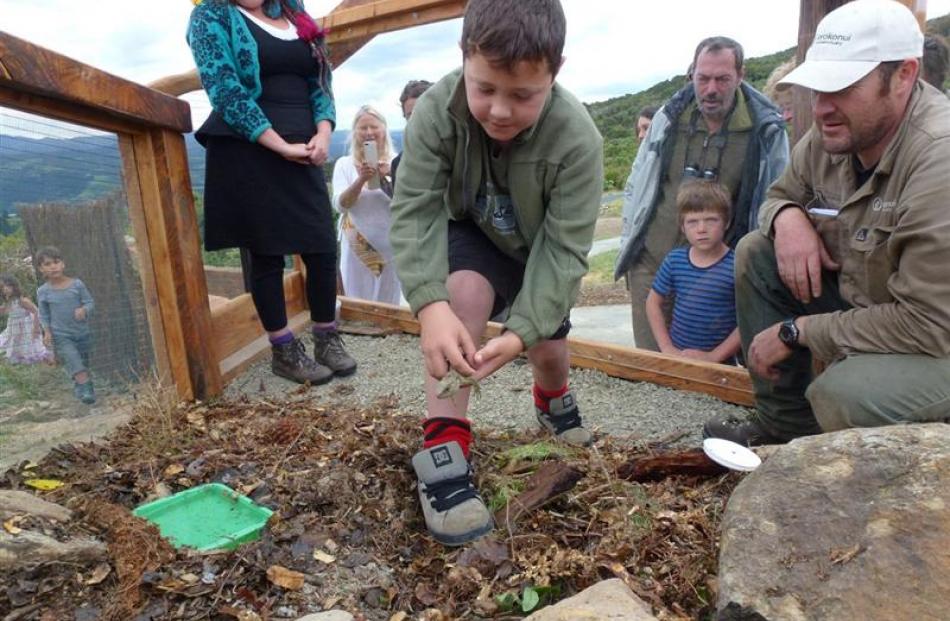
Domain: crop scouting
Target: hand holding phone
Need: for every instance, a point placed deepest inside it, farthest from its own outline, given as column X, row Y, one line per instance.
column 371, row 156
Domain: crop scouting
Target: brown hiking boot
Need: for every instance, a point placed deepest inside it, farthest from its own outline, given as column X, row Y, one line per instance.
column 291, row 362
column 328, row 351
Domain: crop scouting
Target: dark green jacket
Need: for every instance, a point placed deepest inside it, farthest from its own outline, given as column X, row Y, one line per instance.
column 555, row 179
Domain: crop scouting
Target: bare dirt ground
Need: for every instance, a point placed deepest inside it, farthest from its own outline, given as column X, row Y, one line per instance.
column 603, row 294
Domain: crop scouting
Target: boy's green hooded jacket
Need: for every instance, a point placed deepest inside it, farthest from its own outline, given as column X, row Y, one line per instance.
column 555, row 179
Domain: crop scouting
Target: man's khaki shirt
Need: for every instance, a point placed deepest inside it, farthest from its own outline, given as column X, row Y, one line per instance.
column 891, row 236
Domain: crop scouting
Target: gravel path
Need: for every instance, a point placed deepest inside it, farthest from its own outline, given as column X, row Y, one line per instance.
column 392, row 365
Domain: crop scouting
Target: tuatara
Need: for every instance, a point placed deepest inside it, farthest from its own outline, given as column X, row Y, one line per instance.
column 454, row 382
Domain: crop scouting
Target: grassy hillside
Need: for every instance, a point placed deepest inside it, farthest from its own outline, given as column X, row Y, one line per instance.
column 616, row 118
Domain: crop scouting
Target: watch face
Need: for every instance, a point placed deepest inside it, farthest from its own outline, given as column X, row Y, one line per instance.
column 788, row 333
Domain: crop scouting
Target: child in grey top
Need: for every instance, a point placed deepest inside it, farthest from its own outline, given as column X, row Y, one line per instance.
column 65, row 305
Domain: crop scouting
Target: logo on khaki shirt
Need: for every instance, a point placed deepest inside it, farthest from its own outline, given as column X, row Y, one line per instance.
column 879, row 204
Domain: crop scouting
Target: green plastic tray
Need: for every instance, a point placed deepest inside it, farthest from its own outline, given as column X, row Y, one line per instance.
column 208, row 517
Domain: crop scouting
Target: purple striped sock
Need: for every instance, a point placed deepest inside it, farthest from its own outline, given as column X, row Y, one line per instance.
column 323, row 329
column 282, row 339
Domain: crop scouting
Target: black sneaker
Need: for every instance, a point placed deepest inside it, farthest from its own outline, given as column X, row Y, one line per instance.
column 87, row 393
column 747, row 432
column 291, row 362
column 454, row 512
column 328, row 350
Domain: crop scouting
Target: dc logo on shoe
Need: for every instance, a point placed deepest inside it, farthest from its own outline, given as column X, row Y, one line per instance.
column 441, row 456
column 568, row 401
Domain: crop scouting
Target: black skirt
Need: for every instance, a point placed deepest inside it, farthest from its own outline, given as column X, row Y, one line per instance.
column 256, row 199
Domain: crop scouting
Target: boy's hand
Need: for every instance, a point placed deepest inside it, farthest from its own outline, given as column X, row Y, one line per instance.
column 446, row 342
column 47, row 339
column 698, row 354
column 497, row 353
column 80, row 313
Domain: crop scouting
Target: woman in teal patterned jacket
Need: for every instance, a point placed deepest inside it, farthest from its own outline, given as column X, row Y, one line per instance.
column 264, row 66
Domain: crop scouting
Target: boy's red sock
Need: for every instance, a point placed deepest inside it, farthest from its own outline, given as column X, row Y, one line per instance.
column 542, row 397
column 444, row 429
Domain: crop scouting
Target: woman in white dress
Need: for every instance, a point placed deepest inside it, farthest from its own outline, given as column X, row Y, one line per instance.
column 366, row 257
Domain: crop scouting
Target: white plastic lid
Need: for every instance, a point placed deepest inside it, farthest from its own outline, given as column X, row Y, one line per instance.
column 731, row 455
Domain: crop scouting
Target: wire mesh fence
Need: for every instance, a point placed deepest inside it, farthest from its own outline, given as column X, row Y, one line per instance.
column 61, row 185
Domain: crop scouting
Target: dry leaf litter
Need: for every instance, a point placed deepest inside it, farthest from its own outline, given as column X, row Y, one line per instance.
column 348, row 533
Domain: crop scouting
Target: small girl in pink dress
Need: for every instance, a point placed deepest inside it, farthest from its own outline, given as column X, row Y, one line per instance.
column 22, row 340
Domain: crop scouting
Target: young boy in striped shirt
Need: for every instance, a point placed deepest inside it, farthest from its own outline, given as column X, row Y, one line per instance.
column 701, row 280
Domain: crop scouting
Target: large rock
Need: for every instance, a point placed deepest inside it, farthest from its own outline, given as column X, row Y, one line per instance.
column 610, row 600
column 847, row 525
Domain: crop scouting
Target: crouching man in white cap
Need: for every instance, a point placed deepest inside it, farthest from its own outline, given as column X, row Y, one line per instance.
column 851, row 263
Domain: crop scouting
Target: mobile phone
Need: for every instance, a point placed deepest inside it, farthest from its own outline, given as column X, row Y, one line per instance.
column 371, row 156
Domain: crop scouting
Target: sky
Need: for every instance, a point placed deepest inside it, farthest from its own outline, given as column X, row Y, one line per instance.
column 613, row 47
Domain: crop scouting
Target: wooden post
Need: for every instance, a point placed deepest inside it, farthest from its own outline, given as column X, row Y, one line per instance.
column 811, row 12
column 157, row 159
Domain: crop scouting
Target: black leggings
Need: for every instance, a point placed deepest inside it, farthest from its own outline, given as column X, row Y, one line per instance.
column 267, row 288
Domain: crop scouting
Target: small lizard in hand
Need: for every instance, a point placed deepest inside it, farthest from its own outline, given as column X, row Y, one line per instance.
column 454, row 382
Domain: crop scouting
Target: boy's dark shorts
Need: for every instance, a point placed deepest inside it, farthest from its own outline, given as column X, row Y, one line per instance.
column 470, row 249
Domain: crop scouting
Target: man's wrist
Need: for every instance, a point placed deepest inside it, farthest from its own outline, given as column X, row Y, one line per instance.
column 788, row 333
column 779, row 213
column 800, row 323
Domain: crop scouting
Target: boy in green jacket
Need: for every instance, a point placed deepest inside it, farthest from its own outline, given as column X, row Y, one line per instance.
column 499, row 190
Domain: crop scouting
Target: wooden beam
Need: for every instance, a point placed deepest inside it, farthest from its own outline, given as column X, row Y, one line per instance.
column 63, row 111
column 387, row 16
column 352, row 24
column 164, row 192
column 29, row 68
column 724, row 382
column 133, row 192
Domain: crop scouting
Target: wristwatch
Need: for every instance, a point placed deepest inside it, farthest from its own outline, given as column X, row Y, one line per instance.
column 788, row 333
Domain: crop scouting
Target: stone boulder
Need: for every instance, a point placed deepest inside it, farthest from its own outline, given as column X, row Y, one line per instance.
column 847, row 525
column 609, row 600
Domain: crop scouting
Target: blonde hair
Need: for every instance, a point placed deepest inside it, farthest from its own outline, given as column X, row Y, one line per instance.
column 356, row 145
column 771, row 83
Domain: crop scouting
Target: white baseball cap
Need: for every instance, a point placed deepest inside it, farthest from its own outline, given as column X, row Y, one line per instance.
column 854, row 39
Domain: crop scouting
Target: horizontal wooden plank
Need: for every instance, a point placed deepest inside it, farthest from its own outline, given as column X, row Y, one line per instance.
column 64, row 111
column 30, row 68
column 387, row 16
column 236, row 324
column 724, row 382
